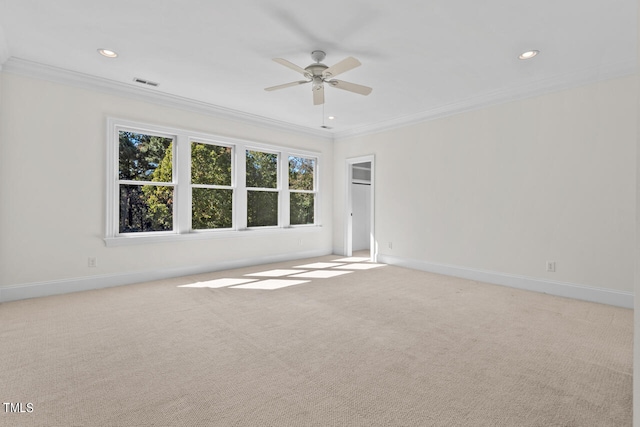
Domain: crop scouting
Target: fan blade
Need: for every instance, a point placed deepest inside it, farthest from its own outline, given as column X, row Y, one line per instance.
column 301, row 82
column 294, row 67
column 351, row 87
column 342, row 66
column 318, row 95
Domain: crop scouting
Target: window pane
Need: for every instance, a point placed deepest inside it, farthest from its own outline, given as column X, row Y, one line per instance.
column 262, row 169
column 210, row 164
column 146, row 208
column 211, row 208
column 301, row 208
column 145, row 157
column 301, row 173
column 262, row 208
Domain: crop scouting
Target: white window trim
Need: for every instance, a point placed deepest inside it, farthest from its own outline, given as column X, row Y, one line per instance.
column 233, row 186
column 182, row 185
column 315, row 190
column 278, row 189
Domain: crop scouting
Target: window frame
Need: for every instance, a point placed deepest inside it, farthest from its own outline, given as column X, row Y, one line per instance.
column 182, row 206
column 313, row 191
column 114, row 230
column 278, row 188
column 232, row 186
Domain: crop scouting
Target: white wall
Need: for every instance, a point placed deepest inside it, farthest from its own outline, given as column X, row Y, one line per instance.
column 52, row 188
column 501, row 189
column 505, row 188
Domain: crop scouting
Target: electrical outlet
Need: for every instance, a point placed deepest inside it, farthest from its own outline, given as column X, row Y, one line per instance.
column 390, row 245
column 299, row 242
column 93, row 261
column 551, row 266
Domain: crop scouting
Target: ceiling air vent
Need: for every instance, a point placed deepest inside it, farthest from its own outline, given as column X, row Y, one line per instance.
column 145, row 82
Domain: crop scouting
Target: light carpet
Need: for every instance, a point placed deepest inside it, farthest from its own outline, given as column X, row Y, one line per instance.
column 382, row 346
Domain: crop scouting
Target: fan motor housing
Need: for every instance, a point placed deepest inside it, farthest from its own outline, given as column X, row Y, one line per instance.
column 316, row 69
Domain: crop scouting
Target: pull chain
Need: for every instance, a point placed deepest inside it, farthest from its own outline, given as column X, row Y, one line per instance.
column 323, row 116
column 323, row 125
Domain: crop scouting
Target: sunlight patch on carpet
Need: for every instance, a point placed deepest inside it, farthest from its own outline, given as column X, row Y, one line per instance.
column 218, row 283
column 270, row 284
column 321, row 274
column 353, row 259
column 275, row 273
column 320, row 265
column 357, row 266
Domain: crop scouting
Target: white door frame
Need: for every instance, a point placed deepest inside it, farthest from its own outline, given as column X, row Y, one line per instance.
column 348, row 214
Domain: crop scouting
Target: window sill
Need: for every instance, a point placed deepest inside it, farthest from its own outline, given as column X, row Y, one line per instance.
column 142, row 239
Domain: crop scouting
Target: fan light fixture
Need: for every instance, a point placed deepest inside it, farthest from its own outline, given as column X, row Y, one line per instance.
column 318, row 74
column 528, row 54
column 108, row 53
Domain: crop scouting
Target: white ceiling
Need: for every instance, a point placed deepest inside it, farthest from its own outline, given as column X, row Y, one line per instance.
column 422, row 58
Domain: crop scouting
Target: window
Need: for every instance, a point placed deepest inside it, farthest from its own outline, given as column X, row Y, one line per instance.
column 302, row 194
column 211, row 186
column 145, row 180
column 262, row 188
column 166, row 183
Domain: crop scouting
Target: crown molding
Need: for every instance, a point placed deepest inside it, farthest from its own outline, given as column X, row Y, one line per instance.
column 507, row 94
column 59, row 75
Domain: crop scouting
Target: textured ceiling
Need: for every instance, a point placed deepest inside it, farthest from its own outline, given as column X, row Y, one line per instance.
column 419, row 57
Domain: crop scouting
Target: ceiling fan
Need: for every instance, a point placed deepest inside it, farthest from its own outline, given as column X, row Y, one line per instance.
column 318, row 74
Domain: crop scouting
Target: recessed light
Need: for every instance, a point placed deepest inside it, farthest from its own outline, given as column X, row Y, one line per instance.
column 108, row 53
column 528, row 54
column 331, row 117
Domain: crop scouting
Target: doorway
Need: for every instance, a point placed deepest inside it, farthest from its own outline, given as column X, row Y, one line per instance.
column 359, row 236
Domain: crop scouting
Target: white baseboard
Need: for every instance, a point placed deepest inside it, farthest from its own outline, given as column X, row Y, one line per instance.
column 563, row 289
column 77, row 284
